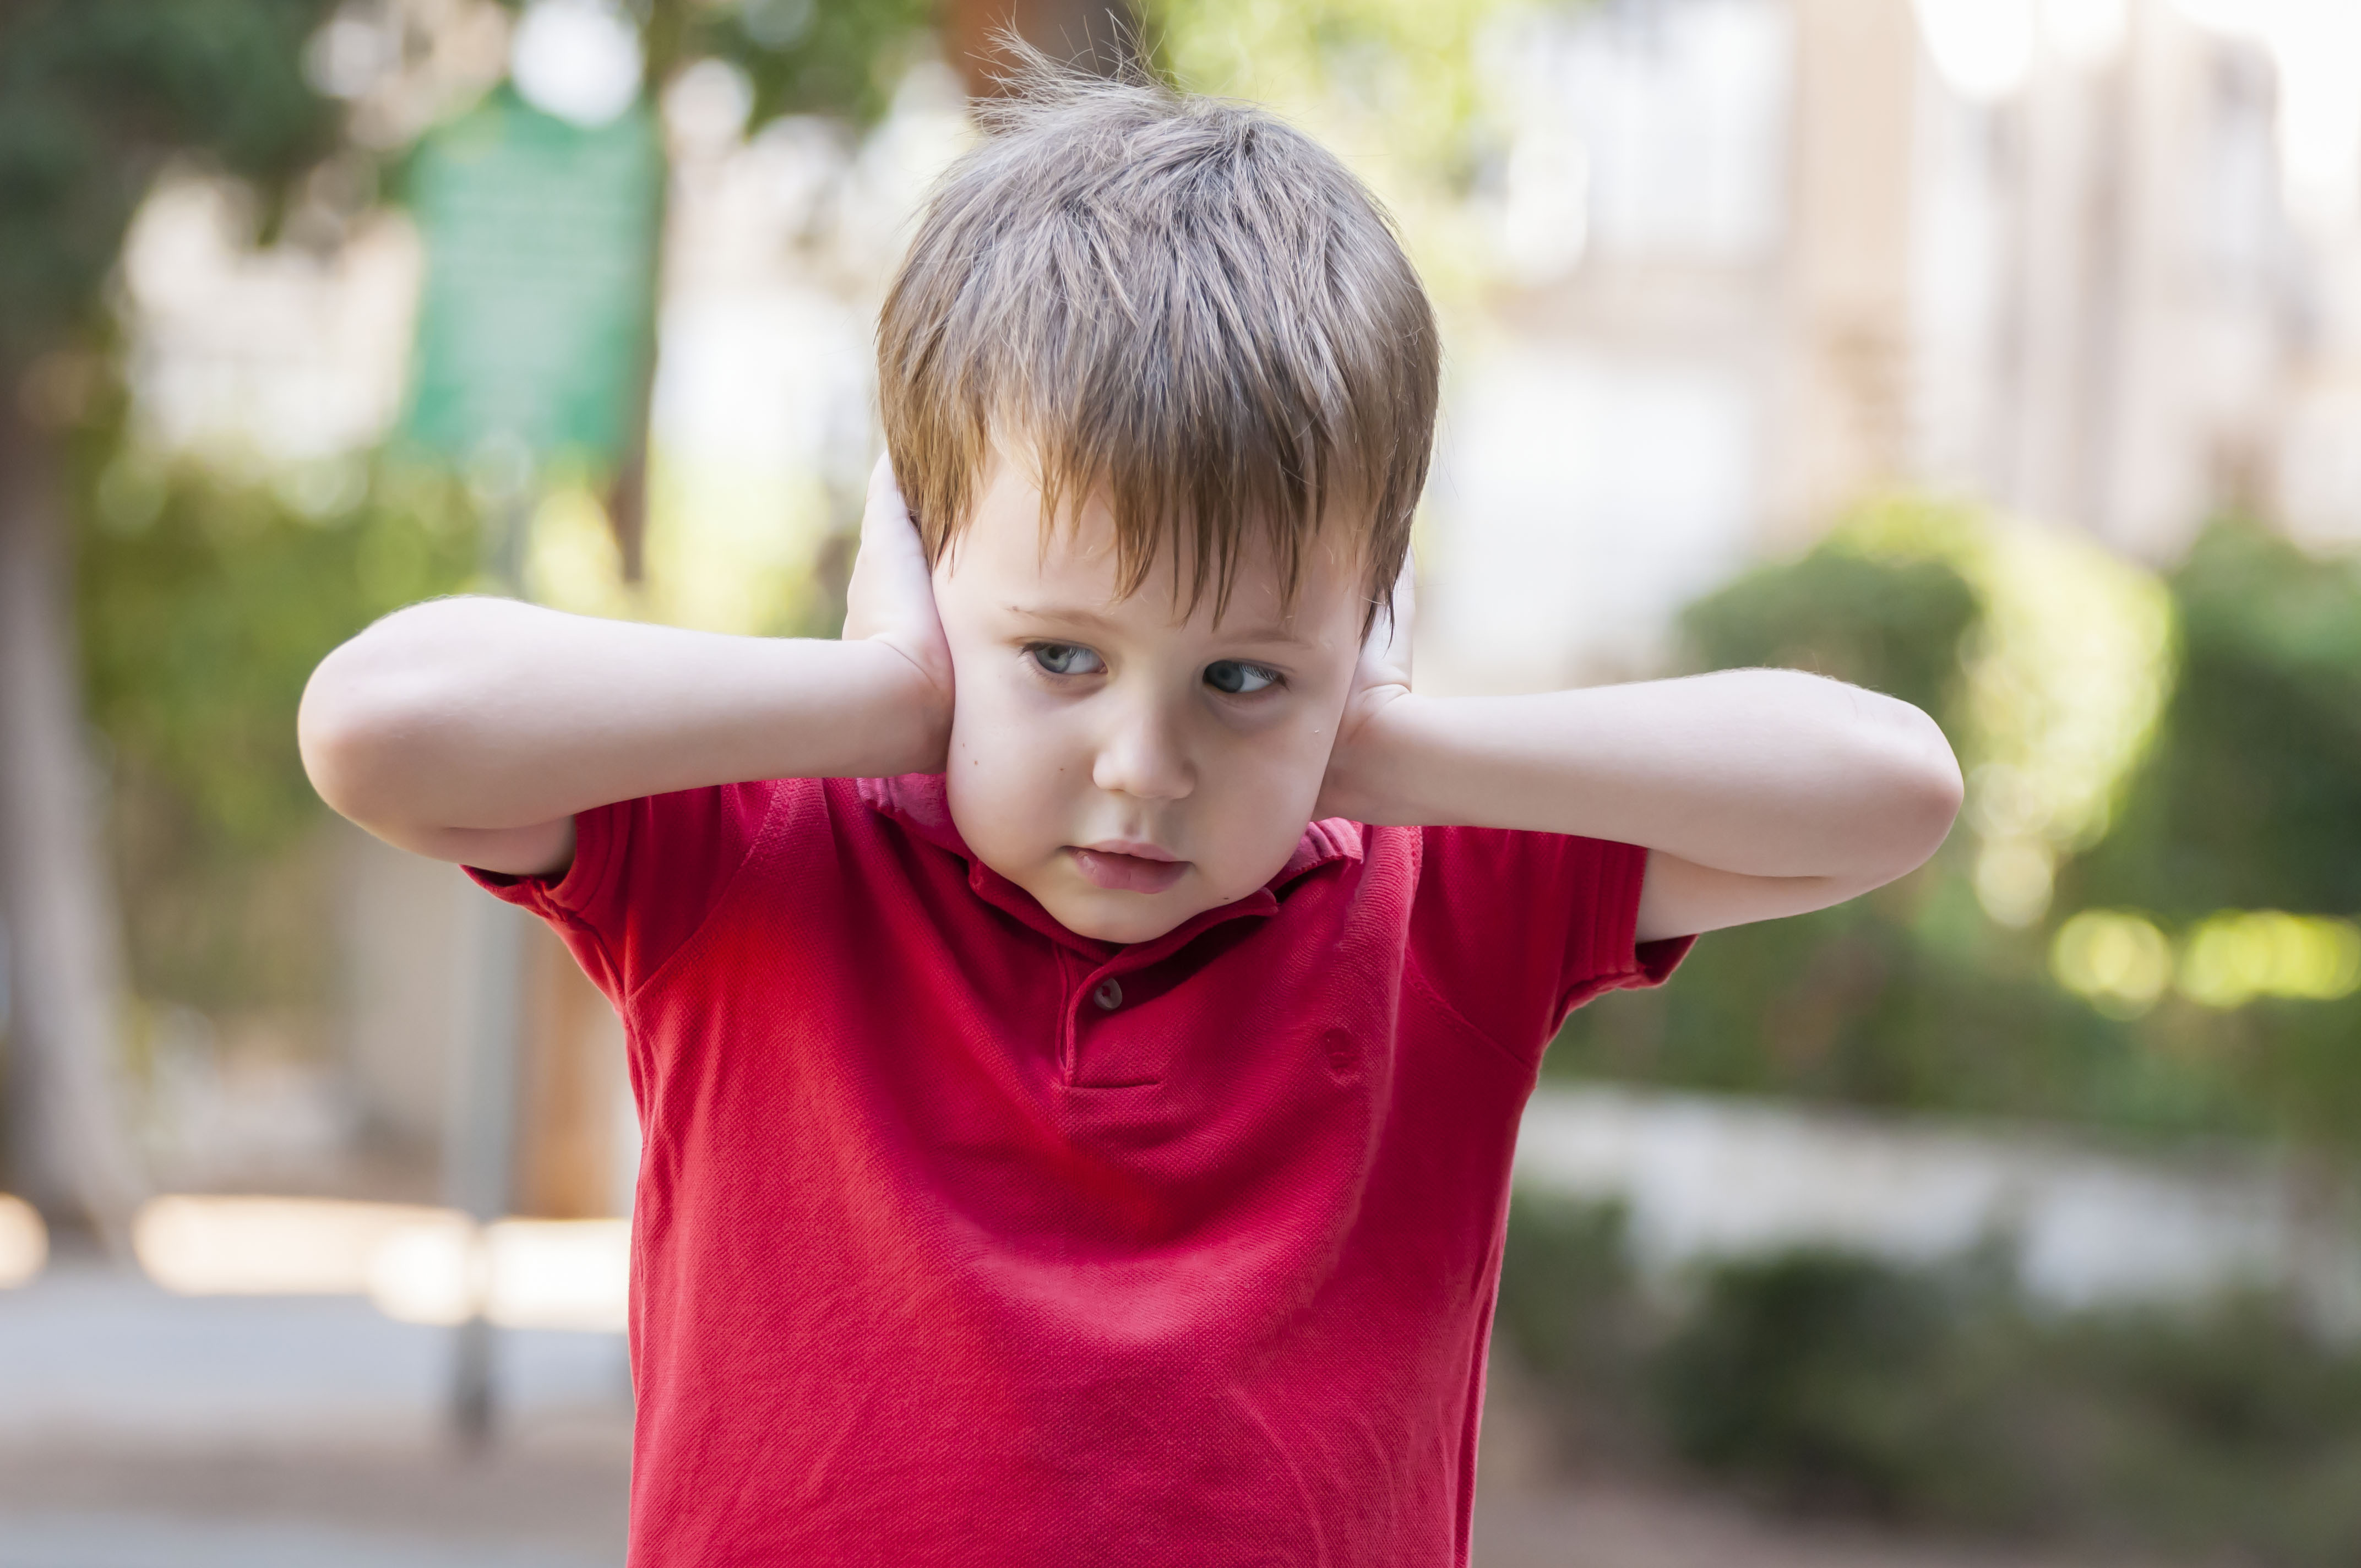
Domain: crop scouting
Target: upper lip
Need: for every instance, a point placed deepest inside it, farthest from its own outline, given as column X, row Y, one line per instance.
column 1131, row 847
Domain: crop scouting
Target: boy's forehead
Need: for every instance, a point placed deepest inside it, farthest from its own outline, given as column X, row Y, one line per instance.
column 1070, row 569
column 1054, row 613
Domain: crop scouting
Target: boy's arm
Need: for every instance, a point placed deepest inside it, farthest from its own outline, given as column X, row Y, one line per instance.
column 1761, row 792
column 473, row 730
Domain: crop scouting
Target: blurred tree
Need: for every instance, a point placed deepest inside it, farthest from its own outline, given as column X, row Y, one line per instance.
column 205, row 603
column 96, row 96
column 2243, row 792
column 1896, row 626
column 833, row 58
column 836, row 58
column 2252, row 798
column 1400, row 88
column 797, row 57
column 1872, row 1002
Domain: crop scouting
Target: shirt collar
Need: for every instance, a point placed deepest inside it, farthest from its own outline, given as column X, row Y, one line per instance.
column 918, row 802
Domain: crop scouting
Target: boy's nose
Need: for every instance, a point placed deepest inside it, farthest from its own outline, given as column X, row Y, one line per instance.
column 1142, row 756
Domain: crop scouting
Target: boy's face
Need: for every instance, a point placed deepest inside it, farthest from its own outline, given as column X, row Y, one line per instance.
column 1127, row 769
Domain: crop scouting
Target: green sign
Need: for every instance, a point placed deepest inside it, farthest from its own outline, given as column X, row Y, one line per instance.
column 541, row 245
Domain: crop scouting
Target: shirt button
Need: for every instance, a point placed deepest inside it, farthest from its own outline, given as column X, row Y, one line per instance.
column 1109, row 995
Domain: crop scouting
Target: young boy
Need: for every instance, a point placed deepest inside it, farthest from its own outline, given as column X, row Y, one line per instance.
column 1079, row 1019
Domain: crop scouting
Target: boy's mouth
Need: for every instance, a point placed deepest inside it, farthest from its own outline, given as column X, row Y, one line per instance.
column 1128, row 868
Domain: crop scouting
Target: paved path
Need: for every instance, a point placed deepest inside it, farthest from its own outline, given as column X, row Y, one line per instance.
column 111, row 1541
column 87, row 1351
column 139, row 1429
column 1603, row 1524
column 546, row 1500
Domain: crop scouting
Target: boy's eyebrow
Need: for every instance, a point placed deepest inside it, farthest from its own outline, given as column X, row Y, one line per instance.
column 1060, row 615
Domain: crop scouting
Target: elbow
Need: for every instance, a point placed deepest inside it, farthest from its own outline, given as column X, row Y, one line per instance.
column 365, row 711
column 348, row 730
column 1921, row 790
column 336, row 740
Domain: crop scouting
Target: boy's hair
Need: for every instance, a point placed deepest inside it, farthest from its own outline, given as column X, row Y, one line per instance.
column 1177, row 302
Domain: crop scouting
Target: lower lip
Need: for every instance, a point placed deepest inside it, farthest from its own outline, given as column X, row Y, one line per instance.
column 1128, row 874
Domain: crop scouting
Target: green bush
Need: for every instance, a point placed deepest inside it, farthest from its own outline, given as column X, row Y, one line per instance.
column 1898, row 627
column 205, row 603
column 1834, row 1380
column 2248, row 797
column 1570, row 1307
column 2252, row 796
column 1938, row 1395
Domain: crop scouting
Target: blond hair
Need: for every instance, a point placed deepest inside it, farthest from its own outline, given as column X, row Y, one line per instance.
column 1180, row 302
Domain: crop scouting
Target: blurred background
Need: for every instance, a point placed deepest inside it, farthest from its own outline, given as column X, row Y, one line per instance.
column 2004, row 354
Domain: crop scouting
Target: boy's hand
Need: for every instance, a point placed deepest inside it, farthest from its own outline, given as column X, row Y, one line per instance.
column 1381, row 678
column 891, row 599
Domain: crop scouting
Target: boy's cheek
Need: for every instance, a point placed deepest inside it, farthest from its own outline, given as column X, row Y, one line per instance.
column 1010, row 787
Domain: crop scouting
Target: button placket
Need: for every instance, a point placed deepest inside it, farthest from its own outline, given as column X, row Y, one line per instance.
column 1070, row 1042
column 1096, row 997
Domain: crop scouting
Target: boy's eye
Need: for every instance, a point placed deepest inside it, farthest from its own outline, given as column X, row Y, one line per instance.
column 1238, row 679
column 1065, row 658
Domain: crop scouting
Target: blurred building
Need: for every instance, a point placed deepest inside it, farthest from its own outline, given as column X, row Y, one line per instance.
column 2095, row 261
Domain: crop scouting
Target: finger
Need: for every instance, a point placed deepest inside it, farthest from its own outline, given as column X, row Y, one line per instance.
column 887, row 526
column 886, row 502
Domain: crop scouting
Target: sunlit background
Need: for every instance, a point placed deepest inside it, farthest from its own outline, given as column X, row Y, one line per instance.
column 2004, row 354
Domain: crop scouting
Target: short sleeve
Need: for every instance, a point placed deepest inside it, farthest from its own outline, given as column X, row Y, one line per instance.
column 1515, row 930
column 646, row 875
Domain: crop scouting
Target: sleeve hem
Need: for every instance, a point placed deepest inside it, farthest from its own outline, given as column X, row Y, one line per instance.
column 1622, row 961
column 1659, row 959
column 561, row 902
column 573, row 890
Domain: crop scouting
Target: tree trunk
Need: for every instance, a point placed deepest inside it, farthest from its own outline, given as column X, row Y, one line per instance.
column 69, row 1139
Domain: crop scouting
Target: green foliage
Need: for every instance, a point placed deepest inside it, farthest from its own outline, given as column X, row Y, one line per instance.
column 1939, row 1395
column 1936, row 1396
column 1832, row 1380
column 1572, row 1311
column 94, row 94
column 1564, row 1268
column 2237, row 1427
column 1894, row 627
column 203, row 606
column 1907, row 998
column 1396, row 86
column 1914, row 998
column 1569, row 1303
column 811, row 57
column 2253, row 796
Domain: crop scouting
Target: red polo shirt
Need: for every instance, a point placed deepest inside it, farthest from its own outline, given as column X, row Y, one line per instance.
column 963, row 1239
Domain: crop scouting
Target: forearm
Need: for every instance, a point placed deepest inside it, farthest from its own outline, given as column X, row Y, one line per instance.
column 1763, row 772
column 481, row 714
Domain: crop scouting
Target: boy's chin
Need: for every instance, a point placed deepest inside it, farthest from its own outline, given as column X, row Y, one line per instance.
column 1123, row 917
